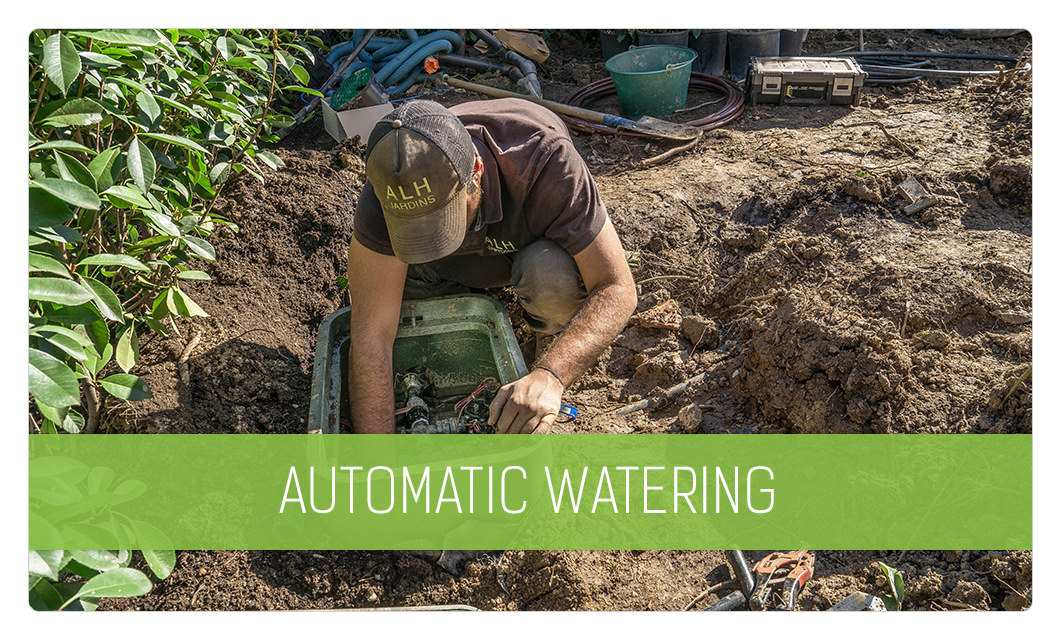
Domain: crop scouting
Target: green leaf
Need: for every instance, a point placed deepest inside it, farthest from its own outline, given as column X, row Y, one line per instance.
column 162, row 222
column 73, row 422
column 94, row 364
column 52, row 382
column 177, row 140
column 163, row 305
column 61, row 63
column 140, row 37
column 150, row 108
column 48, row 264
column 271, row 159
column 141, row 164
column 116, row 583
column 99, row 560
column 58, row 290
column 105, row 300
column 125, row 197
column 102, row 167
column 200, row 247
column 45, row 210
column 897, row 585
column 305, row 90
column 126, row 387
column 157, row 326
column 76, row 336
column 219, row 173
column 66, row 145
column 99, row 334
column 99, row 59
column 66, row 344
column 127, row 352
column 226, row 47
column 62, row 314
column 161, row 562
column 193, row 275
column 174, row 104
column 45, row 564
column 75, row 113
column 72, row 169
column 115, row 260
column 300, row 73
column 76, row 194
column 186, row 306
column 60, row 234
column 45, row 597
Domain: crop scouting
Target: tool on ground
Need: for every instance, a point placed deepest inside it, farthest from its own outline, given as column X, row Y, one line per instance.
column 731, row 108
column 567, row 413
column 656, row 401
column 645, row 125
column 799, row 568
column 737, row 599
column 335, row 77
column 742, row 571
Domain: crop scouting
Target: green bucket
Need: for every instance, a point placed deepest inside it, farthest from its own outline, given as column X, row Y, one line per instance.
column 651, row 81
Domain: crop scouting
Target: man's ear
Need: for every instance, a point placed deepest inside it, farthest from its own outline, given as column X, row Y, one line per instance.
column 479, row 167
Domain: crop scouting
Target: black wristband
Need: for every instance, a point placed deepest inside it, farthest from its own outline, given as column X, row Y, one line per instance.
column 554, row 374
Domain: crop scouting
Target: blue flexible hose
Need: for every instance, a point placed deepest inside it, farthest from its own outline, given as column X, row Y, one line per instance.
column 394, row 71
column 395, row 62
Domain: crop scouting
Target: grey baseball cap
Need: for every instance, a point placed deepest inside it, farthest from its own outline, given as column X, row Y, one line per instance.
column 420, row 160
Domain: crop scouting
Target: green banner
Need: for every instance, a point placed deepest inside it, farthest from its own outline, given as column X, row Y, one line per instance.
column 530, row 492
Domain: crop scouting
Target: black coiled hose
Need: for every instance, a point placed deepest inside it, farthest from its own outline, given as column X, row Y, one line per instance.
column 729, row 111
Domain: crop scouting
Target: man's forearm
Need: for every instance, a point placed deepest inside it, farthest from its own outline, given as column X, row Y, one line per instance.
column 599, row 319
column 371, row 388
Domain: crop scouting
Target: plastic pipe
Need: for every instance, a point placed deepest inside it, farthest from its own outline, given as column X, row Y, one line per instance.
column 387, row 74
column 479, row 64
column 529, row 71
column 414, row 62
column 407, row 82
column 384, row 52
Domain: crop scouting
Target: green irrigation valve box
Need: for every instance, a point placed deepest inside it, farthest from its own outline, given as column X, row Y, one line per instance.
column 462, row 339
column 805, row 81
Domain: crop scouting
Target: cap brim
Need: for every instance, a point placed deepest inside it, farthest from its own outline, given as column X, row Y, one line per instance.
column 432, row 236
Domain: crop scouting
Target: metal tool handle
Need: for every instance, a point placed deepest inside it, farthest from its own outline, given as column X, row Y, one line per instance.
column 558, row 107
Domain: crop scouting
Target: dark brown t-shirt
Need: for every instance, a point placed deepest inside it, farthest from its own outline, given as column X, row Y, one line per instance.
column 535, row 184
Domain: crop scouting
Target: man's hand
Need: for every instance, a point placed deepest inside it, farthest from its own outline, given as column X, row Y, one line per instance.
column 528, row 405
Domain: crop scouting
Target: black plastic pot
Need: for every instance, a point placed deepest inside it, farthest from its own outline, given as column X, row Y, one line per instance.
column 675, row 38
column 611, row 45
column 791, row 41
column 744, row 45
column 710, row 44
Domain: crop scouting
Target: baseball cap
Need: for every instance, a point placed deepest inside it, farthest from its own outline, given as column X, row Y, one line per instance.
column 420, row 159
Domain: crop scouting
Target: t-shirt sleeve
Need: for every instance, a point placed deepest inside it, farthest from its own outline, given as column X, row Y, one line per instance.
column 369, row 226
column 565, row 201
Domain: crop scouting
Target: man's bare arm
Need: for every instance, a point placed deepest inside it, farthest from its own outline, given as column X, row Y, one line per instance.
column 532, row 402
column 375, row 283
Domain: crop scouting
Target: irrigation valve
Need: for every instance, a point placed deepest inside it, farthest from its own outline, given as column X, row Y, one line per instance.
column 421, row 412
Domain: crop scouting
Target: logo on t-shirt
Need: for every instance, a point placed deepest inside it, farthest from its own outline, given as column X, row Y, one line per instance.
column 500, row 247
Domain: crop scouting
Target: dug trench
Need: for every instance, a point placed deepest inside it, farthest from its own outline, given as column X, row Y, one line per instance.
column 775, row 259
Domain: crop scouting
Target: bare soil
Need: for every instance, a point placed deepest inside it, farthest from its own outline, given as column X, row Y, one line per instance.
column 809, row 298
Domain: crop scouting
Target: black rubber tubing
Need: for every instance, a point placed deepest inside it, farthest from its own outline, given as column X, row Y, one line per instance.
column 729, row 111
